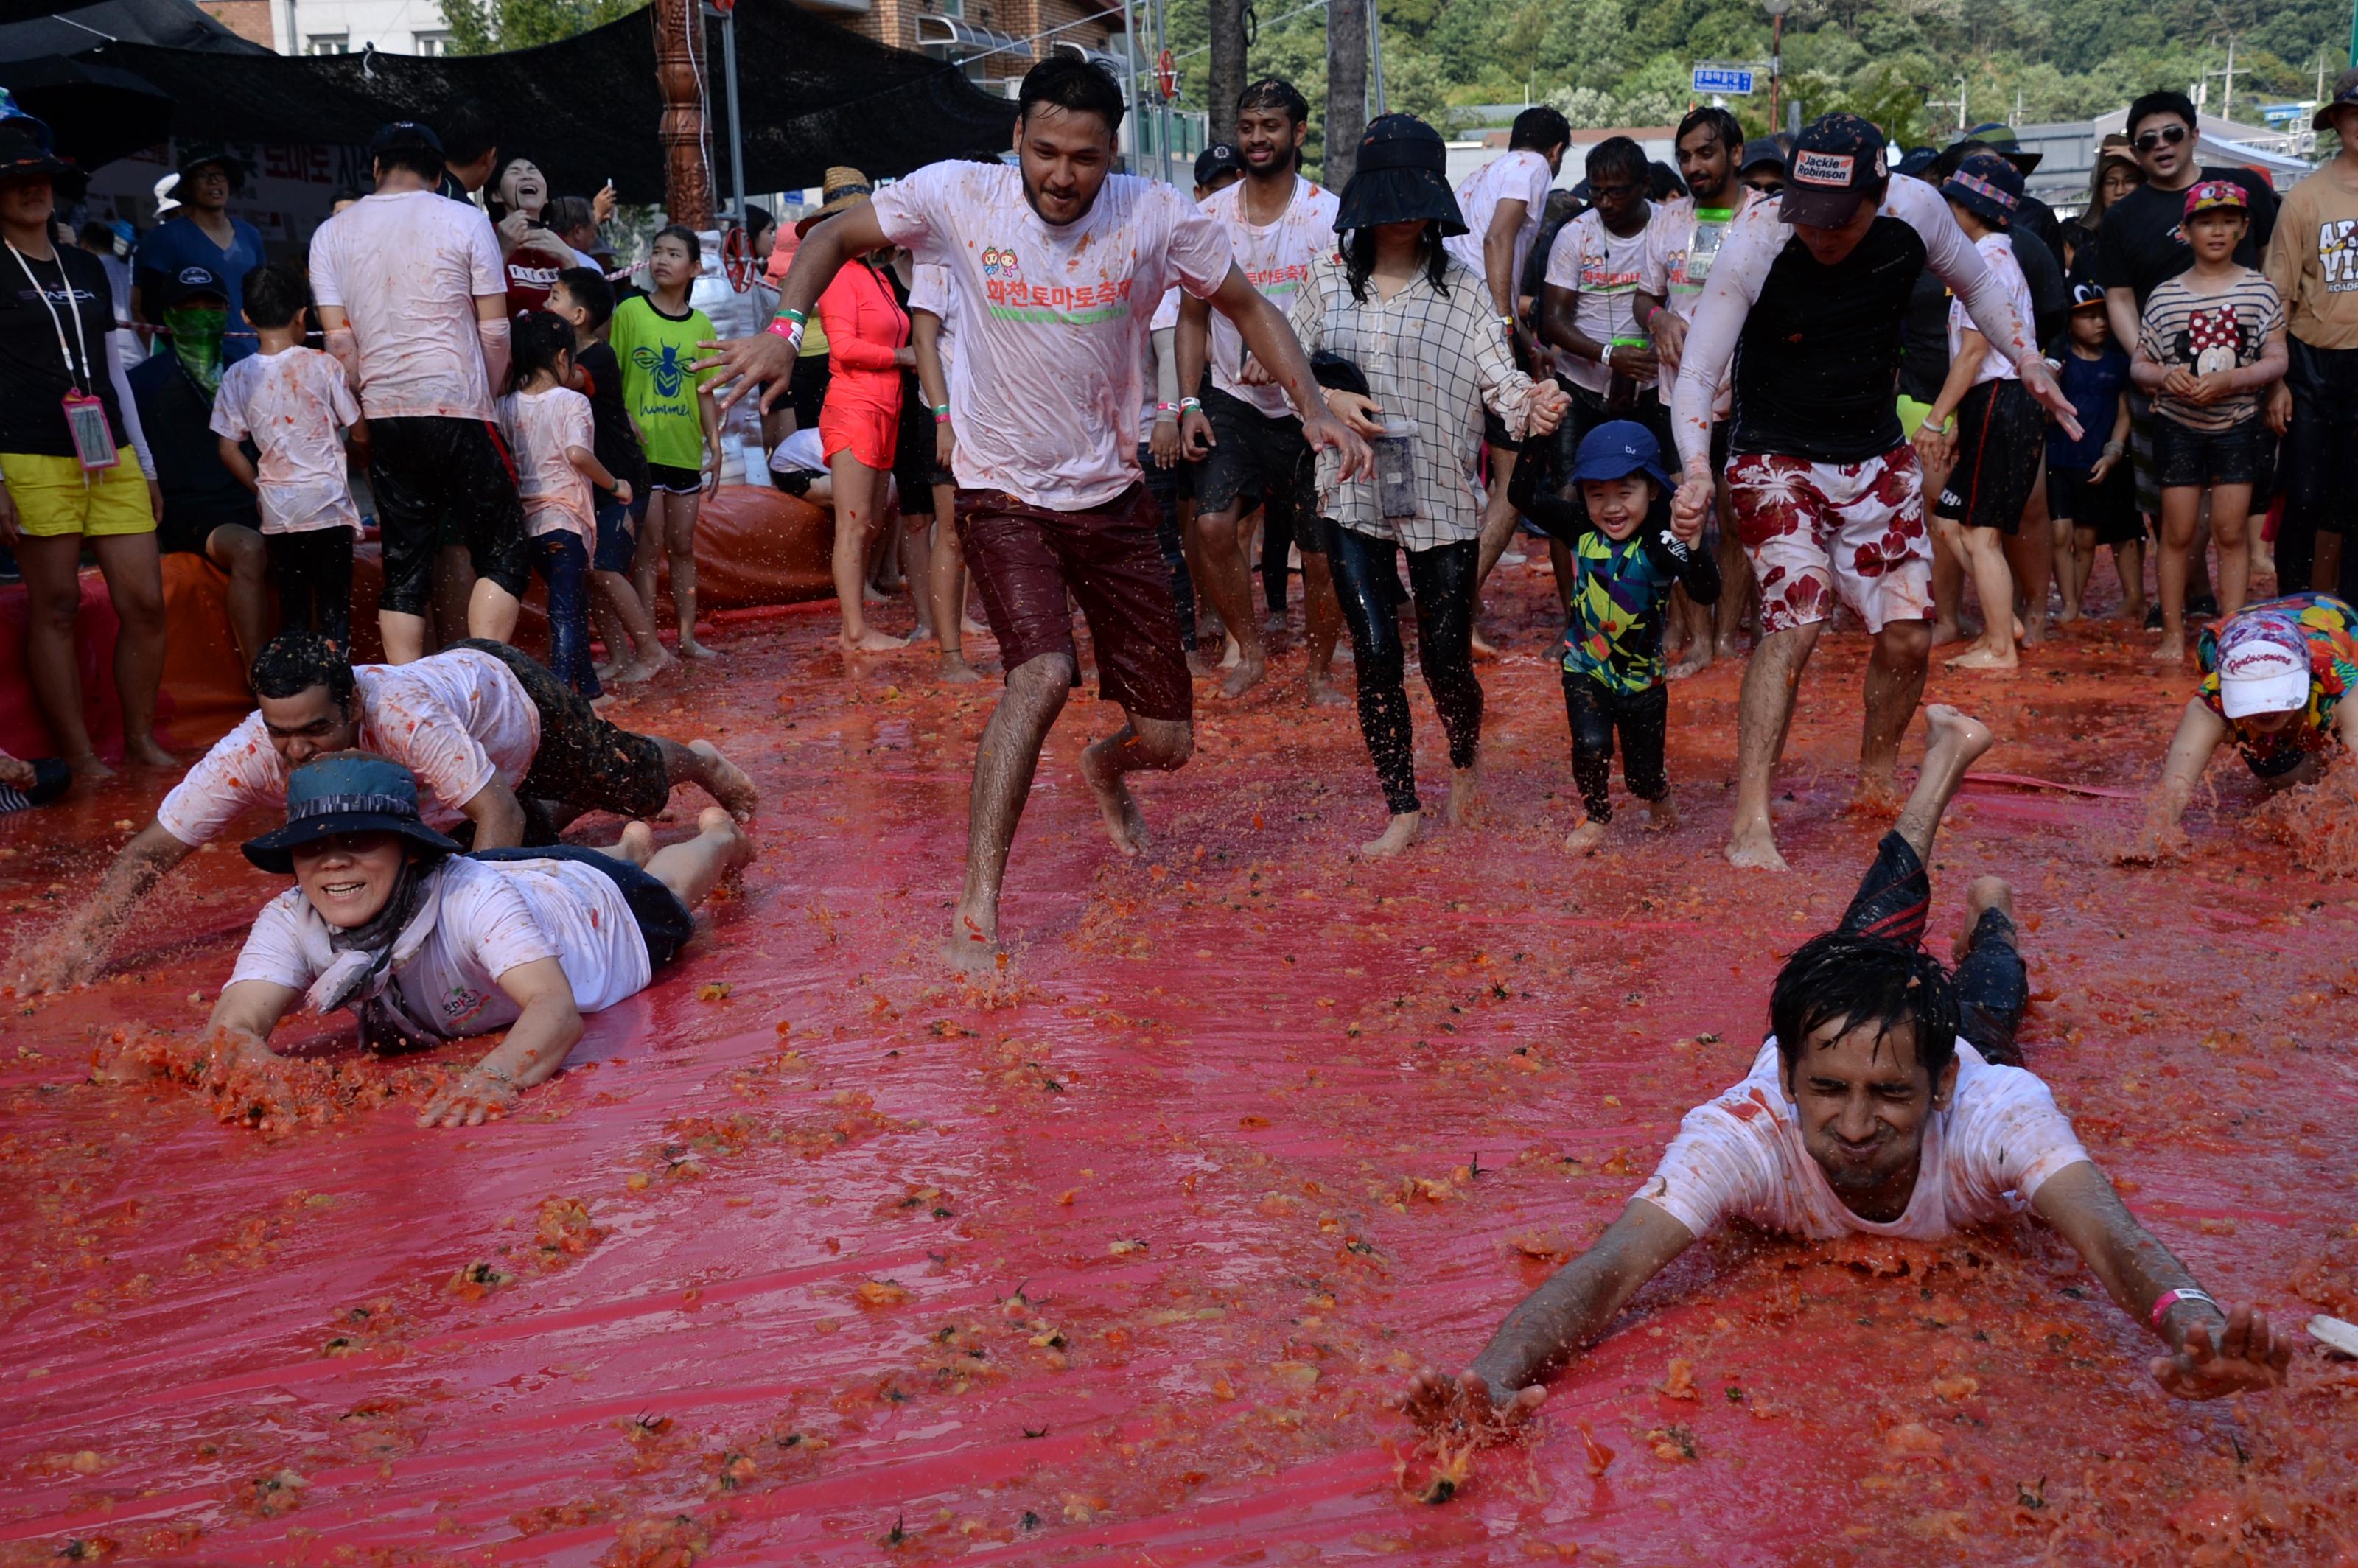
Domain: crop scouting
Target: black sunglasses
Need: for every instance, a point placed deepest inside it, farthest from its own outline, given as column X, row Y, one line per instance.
column 2167, row 136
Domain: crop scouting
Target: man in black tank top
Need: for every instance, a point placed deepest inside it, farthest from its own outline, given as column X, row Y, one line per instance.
column 1804, row 317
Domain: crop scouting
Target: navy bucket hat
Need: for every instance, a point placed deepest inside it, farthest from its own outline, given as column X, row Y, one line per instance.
column 351, row 791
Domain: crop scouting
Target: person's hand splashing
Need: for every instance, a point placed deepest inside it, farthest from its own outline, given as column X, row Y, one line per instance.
column 1465, row 1408
column 2239, row 1356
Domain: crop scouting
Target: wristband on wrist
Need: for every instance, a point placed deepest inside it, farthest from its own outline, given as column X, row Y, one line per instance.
column 791, row 314
column 2168, row 1298
column 792, row 331
column 2114, row 448
column 1191, row 405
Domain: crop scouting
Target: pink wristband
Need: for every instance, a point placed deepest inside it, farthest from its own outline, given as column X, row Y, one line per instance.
column 2168, row 1298
column 792, row 331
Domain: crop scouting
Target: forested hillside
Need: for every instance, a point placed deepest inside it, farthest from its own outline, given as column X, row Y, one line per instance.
column 1625, row 61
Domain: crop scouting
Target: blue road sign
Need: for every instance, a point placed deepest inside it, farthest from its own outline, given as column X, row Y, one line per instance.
column 1730, row 78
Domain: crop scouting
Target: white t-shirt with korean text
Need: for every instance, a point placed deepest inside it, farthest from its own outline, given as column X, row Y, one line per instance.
column 406, row 268
column 491, row 918
column 1606, row 269
column 1681, row 244
column 295, row 405
column 1741, row 1157
column 457, row 720
column 1997, row 254
column 1275, row 259
column 1046, row 388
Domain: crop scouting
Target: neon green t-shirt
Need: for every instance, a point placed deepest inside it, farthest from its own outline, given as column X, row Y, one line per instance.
column 656, row 351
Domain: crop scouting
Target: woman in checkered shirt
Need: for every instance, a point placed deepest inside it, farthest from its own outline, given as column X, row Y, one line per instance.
column 1410, row 353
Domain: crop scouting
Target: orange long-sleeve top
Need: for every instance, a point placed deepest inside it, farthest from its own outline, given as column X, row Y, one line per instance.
column 865, row 325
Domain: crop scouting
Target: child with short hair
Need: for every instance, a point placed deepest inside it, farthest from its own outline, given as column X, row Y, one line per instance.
column 1627, row 555
column 2213, row 338
column 2091, row 493
column 582, row 297
column 291, row 401
column 551, row 439
column 1991, row 458
column 656, row 337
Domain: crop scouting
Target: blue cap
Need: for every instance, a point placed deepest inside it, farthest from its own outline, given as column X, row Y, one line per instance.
column 1617, row 448
column 351, row 791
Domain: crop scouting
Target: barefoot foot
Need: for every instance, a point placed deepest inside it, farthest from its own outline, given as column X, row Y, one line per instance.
column 1250, row 667
column 870, row 641
column 144, row 752
column 90, row 767
column 647, row 668
column 1465, row 796
column 1945, row 632
column 1659, row 816
column 1324, row 694
column 637, row 844
column 725, row 782
column 1125, row 823
column 972, row 946
column 689, row 648
column 1694, row 661
column 1950, row 733
column 1984, row 658
column 956, row 671
column 1403, row 830
column 1755, row 849
column 1586, row 839
column 2172, row 651
column 1985, row 893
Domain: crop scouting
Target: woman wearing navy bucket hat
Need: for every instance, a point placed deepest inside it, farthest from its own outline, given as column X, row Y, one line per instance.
column 1410, row 353
column 387, row 918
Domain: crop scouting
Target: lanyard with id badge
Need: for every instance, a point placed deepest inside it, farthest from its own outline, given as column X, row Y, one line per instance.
column 85, row 412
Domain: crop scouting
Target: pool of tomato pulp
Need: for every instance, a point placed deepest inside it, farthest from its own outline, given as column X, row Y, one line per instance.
column 813, row 1255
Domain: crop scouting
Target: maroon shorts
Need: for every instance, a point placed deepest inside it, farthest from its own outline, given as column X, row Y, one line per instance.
column 1026, row 559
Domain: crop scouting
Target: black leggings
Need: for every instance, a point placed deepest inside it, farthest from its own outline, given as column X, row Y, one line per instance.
column 1594, row 712
column 313, row 573
column 1993, row 987
column 1366, row 580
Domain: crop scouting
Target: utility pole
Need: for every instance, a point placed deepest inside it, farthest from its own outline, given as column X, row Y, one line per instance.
column 1375, row 25
column 2227, row 78
column 1227, row 83
column 1776, row 9
column 1346, row 91
column 1958, row 104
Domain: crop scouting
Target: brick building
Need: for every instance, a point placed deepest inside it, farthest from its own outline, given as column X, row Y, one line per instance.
column 993, row 40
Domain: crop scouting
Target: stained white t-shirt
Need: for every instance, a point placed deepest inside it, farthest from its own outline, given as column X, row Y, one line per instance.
column 1275, row 259
column 540, row 427
column 1741, row 1157
column 1681, row 244
column 1996, row 252
column 929, row 290
column 1521, row 175
column 491, row 918
column 407, row 268
column 1606, row 269
column 296, row 404
column 457, row 720
column 1045, row 386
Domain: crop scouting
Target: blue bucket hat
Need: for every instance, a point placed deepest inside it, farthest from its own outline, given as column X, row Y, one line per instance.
column 354, row 792
column 1988, row 187
column 1617, row 448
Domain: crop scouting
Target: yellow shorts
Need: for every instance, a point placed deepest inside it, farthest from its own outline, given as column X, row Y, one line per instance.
column 55, row 499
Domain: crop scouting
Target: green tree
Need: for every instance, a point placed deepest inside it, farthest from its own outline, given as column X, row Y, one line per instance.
column 489, row 26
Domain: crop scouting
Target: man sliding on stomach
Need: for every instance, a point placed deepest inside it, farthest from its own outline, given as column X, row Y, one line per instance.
column 1889, row 1114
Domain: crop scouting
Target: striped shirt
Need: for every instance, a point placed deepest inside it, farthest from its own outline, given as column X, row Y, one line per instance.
column 2208, row 332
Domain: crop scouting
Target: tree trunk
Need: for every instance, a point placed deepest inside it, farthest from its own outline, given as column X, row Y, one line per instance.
column 687, row 184
column 1346, row 89
column 1226, row 82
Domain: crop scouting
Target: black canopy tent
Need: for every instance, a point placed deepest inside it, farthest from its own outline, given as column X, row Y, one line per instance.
column 585, row 110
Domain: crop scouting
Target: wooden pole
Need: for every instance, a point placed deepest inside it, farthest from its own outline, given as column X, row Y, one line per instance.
column 1226, row 82
column 679, row 45
column 1347, row 89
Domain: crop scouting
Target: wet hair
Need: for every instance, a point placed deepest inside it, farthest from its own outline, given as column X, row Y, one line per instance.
column 415, row 157
column 1538, row 128
column 685, row 235
column 590, row 291
column 1068, row 83
column 756, row 220
column 541, row 341
column 1275, row 92
column 1662, row 182
column 466, row 130
column 294, row 662
column 1841, row 976
column 1618, row 154
column 1360, row 259
column 275, row 294
column 1725, row 128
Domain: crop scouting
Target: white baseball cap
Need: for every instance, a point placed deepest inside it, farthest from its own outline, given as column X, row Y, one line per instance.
column 2263, row 666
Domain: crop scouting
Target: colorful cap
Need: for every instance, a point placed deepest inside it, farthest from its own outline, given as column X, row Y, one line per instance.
column 2087, row 293
column 1838, row 163
column 2262, row 666
column 2217, row 193
column 2345, row 91
column 1988, row 187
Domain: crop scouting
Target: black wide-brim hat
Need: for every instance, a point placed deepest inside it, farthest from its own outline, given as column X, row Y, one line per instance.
column 1402, row 177
column 26, row 154
column 350, row 792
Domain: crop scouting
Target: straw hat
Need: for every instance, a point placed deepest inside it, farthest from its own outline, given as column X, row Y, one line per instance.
column 844, row 188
